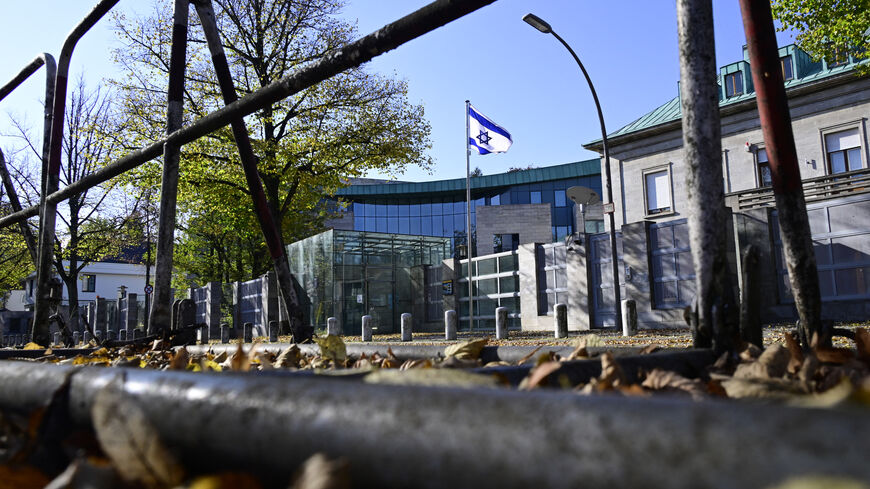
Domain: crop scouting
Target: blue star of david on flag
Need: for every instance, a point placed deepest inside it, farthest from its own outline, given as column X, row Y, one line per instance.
column 490, row 137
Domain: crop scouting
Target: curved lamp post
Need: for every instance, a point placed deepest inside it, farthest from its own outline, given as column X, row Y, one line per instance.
column 541, row 25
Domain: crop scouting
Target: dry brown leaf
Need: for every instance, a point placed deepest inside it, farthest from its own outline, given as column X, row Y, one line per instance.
column 33, row 346
column 180, row 359
column 750, row 352
column 419, row 363
column 770, row 365
column 264, row 361
column 649, row 349
column 221, row 357
column 834, row 355
column 130, row 440
column 762, row 388
column 611, row 372
column 290, row 357
column 528, row 356
column 538, row 374
column 319, row 472
column 808, row 370
column 660, row 379
column 794, row 349
column 240, row 361
column 226, row 480
column 467, row 350
column 821, row 482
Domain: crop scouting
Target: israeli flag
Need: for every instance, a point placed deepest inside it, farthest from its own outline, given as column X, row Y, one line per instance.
column 485, row 135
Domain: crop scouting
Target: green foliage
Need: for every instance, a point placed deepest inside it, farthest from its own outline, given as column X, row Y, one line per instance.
column 308, row 145
column 827, row 28
column 15, row 262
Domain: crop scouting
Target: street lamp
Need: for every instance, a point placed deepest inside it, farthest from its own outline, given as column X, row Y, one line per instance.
column 541, row 25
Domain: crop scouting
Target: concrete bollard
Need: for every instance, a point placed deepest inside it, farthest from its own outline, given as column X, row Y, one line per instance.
column 560, row 320
column 273, row 331
column 88, row 337
column 407, row 326
column 99, row 335
column 122, row 335
column 57, row 338
column 225, row 333
column 367, row 328
column 629, row 317
column 450, row 325
column 203, row 334
column 332, row 327
column 249, row 333
column 501, row 323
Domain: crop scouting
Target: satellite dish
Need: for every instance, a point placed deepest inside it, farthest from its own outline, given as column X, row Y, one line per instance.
column 583, row 195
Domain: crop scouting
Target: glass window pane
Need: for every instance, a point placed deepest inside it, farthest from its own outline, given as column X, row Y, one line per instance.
column 404, row 226
column 359, row 223
column 436, row 225
column 838, row 161
column 508, row 284
column 854, row 157
column 520, row 197
column 560, row 198
column 427, row 226
column 370, row 224
column 495, row 200
column 437, row 208
column 404, row 210
column 459, row 222
column 425, row 209
column 459, row 207
column 381, row 225
column 535, row 197
column 486, row 267
column 393, row 225
column 415, row 225
column 507, row 263
column 487, row 286
column 658, row 192
column 415, row 209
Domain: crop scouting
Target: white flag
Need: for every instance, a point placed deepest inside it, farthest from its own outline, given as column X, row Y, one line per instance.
column 485, row 135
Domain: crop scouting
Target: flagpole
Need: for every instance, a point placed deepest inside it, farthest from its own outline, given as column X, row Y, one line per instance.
column 468, row 246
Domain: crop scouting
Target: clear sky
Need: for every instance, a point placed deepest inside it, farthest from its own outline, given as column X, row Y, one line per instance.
column 522, row 79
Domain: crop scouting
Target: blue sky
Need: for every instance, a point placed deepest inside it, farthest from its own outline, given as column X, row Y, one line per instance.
column 522, row 79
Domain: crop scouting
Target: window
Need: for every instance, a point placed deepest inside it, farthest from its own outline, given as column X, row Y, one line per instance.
column 505, row 242
column 535, row 197
column 787, row 68
column 764, row 178
column 843, row 150
column 552, row 276
column 657, row 190
column 89, row 282
column 560, row 198
column 840, row 58
column 496, row 200
column 734, row 84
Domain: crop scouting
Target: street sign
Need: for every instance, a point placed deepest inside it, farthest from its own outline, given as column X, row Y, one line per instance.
column 608, row 208
column 447, row 287
column 149, row 289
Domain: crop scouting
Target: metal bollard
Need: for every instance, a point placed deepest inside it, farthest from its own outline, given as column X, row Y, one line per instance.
column 367, row 328
column 110, row 335
column 57, row 337
column 407, row 326
column 88, row 337
column 501, row 330
column 99, row 335
column 450, row 325
column 122, row 335
column 332, row 327
column 249, row 333
column 629, row 317
column 273, row 331
column 225, row 333
column 560, row 320
column 203, row 334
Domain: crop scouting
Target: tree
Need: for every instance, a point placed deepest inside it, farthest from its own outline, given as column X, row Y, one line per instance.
column 307, row 145
column 827, row 28
column 95, row 223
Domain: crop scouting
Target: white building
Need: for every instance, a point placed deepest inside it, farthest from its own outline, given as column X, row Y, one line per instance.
column 97, row 279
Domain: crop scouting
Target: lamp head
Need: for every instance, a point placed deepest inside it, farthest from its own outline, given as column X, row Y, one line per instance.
column 538, row 23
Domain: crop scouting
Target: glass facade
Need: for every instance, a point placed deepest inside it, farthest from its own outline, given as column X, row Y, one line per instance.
column 444, row 216
column 496, row 282
column 348, row 274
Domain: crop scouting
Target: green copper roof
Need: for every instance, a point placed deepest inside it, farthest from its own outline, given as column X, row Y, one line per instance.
column 670, row 111
column 535, row 175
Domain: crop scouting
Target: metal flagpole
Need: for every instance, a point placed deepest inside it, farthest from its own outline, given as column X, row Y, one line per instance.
column 468, row 246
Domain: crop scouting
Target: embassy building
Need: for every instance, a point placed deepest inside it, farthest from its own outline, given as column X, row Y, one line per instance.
column 396, row 246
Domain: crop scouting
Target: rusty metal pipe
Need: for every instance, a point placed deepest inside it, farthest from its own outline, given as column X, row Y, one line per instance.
column 445, row 437
column 40, row 333
column 161, row 306
column 392, row 35
column 267, row 221
column 788, row 191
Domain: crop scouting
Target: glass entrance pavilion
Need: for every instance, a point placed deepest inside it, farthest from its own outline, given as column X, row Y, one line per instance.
column 347, row 274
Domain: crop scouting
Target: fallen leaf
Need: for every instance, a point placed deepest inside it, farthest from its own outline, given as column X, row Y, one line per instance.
column 240, row 361
column 770, row 365
column 419, row 363
column 290, row 357
column 127, row 436
column 759, row 388
column 319, row 472
column 862, row 343
column 180, row 359
column 332, row 348
column 821, row 482
column 226, row 480
column 467, row 350
column 528, row 356
column 431, row 377
column 834, row 355
column 221, row 357
column 668, row 380
column 794, row 349
column 33, row 346
column 538, row 374
column 611, row 372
